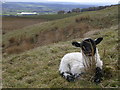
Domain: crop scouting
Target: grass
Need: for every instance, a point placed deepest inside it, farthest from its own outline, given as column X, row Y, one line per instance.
column 67, row 28
column 38, row 68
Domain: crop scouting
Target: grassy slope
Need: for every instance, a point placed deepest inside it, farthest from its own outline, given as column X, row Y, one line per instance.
column 39, row 67
column 95, row 19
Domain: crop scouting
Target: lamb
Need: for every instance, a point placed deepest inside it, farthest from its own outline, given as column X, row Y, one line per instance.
column 74, row 64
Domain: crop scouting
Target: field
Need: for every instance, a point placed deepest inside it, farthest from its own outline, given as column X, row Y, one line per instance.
column 19, row 22
column 14, row 23
column 52, row 16
column 31, row 55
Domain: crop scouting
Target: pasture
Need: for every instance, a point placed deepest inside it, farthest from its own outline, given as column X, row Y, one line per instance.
column 10, row 23
column 32, row 54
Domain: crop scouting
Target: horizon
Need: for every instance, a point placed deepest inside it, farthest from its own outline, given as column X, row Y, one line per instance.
column 92, row 2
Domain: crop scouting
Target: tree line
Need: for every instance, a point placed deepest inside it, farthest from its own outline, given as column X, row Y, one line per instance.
column 77, row 10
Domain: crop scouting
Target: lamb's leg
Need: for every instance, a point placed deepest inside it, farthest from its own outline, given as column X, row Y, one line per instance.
column 98, row 75
column 98, row 72
column 68, row 76
column 65, row 72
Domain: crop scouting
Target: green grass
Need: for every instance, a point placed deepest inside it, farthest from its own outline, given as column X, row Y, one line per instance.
column 38, row 68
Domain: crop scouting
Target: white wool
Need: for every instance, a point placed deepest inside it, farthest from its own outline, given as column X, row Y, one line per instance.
column 75, row 62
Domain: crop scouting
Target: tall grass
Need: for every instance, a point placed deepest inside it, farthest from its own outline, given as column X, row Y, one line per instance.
column 83, row 18
column 16, row 49
column 90, row 63
column 21, row 45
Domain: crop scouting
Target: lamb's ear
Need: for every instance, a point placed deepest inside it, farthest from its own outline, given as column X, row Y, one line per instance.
column 77, row 44
column 98, row 40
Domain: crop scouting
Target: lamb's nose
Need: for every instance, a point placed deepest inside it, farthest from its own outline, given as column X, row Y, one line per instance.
column 89, row 52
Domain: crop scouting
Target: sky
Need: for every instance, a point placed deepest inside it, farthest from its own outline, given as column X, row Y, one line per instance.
column 78, row 1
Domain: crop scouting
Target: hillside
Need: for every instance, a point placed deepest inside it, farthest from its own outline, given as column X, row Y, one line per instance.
column 38, row 68
column 59, row 30
column 31, row 56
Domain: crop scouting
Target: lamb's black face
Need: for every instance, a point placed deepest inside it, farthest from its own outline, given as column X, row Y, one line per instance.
column 88, row 46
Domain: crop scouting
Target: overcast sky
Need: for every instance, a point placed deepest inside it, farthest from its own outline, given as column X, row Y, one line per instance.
column 81, row 1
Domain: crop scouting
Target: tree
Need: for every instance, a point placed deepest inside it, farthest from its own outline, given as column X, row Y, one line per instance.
column 61, row 12
column 77, row 10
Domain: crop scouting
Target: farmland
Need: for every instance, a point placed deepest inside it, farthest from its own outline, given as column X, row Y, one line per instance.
column 12, row 8
column 14, row 23
column 19, row 22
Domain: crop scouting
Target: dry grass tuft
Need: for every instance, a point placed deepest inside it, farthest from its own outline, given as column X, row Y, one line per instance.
column 90, row 65
column 3, row 45
column 83, row 18
column 22, row 44
column 12, row 40
column 16, row 49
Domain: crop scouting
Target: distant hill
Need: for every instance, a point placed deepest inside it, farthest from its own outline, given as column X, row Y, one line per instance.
column 15, row 7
